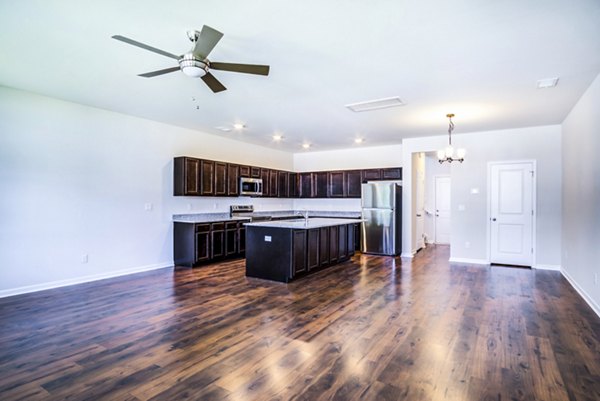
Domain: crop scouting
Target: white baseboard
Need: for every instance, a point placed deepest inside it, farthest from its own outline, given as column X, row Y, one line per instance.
column 547, row 267
column 407, row 255
column 80, row 280
column 595, row 307
column 469, row 261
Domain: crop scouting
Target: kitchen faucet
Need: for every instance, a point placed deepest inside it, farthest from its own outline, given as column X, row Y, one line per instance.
column 304, row 214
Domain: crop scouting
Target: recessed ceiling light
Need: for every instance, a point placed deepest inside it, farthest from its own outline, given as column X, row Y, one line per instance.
column 375, row 104
column 547, row 83
column 222, row 128
column 306, row 145
column 239, row 126
column 277, row 137
column 358, row 140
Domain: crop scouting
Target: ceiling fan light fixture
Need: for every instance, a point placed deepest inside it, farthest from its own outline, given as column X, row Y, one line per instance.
column 192, row 67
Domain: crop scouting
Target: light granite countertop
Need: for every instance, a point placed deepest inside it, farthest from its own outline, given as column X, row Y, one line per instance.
column 276, row 214
column 302, row 223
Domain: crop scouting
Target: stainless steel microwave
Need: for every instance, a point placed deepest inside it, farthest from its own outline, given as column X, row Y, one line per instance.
column 251, row 186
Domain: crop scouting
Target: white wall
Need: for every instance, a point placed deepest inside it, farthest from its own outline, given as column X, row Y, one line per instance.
column 581, row 195
column 74, row 180
column 539, row 143
column 359, row 157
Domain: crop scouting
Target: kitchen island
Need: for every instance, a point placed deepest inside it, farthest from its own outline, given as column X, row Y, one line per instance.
column 287, row 249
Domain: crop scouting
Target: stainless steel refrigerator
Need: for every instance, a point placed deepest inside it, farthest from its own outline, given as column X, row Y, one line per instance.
column 381, row 204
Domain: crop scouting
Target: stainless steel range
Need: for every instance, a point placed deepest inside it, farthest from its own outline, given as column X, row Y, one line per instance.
column 247, row 211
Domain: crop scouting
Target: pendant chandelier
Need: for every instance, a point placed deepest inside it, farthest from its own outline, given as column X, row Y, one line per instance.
column 447, row 154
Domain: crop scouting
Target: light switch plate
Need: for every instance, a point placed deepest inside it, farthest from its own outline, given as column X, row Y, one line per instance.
column 267, row 238
column 461, row 208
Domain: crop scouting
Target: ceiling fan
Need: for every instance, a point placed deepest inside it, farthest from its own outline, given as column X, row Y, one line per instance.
column 195, row 62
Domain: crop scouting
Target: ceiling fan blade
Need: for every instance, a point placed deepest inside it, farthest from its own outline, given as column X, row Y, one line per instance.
column 159, row 72
column 208, row 39
column 245, row 68
column 144, row 46
column 213, row 83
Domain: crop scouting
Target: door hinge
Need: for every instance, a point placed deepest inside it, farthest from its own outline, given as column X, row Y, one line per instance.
column 532, row 172
column 532, row 212
column 531, row 250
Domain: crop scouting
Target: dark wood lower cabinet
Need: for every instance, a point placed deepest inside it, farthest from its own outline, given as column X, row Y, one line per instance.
column 298, row 252
column 312, row 248
column 342, row 242
column 333, row 244
column 199, row 243
column 323, row 246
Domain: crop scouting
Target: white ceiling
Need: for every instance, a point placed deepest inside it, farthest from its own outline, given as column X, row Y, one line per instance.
column 477, row 59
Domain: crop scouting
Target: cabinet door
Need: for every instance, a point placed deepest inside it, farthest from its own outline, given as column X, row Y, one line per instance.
column 186, row 177
column 336, row 186
column 202, row 246
column 357, row 236
column 207, row 177
column 352, row 228
column 371, row 174
column 293, row 185
column 255, row 172
column 245, row 171
column 264, row 175
column 394, row 173
column 321, row 184
column 342, row 242
column 231, row 242
column 324, row 246
column 333, row 244
column 273, row 181
column 306, row 185
column 233, row 179
column 220, row 179
column 241, row 240
column 298, row 252
column 353, row 181
column 312, row 245
column 283, row 184
column 217, row 238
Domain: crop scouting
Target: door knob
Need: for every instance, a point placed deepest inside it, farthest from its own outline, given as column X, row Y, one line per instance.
column 493, row 219
column 437, row 215
column 418, row 215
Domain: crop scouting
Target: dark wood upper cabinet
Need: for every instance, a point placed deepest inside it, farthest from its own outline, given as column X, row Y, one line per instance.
column 207, row 177
column 273, row 181
column 233, row 179
column 353, row 182
column 305, row 185
column 293, row 185
column 186, row 176
column 371, row 174
column 264, row 175
column 320, row 189
column 283, row 184
column 200, row 177
column 393, row 173
column 336, row 184
column 244, row 171
column 255, row 172
column 220, row 179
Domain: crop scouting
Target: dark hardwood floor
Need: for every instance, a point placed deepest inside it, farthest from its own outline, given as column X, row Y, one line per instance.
column 372, row 328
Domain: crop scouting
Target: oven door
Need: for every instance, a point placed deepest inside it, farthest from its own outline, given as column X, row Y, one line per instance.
column 250, row 186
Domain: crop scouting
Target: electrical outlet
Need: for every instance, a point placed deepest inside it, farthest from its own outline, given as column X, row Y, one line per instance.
column 189, row 206
column 467, row 244
column 216, row 205
column 84, row 258
column 148, row 207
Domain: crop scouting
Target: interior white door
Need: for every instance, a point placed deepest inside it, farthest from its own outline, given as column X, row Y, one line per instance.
column 442, row 210
column 512, row 210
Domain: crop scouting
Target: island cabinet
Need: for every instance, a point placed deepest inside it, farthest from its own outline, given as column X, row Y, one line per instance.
column 285, row 250
column 198, row 243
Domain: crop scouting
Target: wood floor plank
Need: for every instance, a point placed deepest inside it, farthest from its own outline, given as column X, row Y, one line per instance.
column 371, row 328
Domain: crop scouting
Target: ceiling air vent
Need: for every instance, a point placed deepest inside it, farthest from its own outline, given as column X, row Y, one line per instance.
column 375, row 104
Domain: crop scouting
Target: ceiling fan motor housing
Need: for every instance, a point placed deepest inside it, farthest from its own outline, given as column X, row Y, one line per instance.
column 193, row 67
